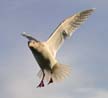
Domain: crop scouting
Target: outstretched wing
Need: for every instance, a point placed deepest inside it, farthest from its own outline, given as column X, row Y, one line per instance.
column 66, row 29
column 28, row 36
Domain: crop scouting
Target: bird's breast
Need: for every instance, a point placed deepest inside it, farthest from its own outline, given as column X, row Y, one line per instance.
column 43, row 57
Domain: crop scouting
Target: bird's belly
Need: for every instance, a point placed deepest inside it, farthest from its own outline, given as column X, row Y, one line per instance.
column 44, row 58
column 43, row 61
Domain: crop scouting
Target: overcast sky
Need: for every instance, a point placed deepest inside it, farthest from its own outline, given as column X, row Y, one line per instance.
column 86, row 51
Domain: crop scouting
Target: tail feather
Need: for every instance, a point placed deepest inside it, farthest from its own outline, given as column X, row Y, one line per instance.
column 58, row 73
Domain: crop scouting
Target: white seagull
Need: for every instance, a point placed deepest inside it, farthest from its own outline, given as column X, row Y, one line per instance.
column 45, row 52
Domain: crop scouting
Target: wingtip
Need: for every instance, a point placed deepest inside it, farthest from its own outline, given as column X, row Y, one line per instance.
column 93, row 9
column 23, row 33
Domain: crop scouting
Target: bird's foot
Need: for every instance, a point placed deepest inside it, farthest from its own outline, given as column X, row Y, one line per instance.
column 51, row 81
column 41, row 84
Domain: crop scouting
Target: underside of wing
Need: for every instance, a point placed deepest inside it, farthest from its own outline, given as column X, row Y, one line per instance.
column 66, row 29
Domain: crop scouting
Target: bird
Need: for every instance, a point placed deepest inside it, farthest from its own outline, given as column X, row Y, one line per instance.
column 45, row 52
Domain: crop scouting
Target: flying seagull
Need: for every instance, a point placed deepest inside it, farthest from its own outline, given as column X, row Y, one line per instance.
column 45, row 52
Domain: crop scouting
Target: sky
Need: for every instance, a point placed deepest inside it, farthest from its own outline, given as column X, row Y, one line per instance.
column 86, row 51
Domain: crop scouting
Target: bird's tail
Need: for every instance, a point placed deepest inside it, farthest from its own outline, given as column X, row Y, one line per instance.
column 59, row 72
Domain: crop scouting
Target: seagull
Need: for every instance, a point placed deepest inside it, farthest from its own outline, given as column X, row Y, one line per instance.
column 45, row 52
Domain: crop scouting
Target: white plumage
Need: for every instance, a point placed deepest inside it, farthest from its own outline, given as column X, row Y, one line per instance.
column 45, row 52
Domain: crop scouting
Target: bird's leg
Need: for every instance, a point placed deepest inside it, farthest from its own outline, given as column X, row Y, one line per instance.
column 50, row 81
column 42, row 82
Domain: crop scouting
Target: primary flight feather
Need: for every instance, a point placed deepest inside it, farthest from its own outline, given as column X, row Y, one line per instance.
column 45, row 52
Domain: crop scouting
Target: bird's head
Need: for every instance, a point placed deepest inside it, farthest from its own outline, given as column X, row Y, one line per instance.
column 33, row 44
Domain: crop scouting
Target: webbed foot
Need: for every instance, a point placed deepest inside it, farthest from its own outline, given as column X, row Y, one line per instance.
column 51, row 81
column 41, row 84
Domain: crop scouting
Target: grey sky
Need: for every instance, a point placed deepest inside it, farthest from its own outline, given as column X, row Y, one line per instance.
column 86, row 52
